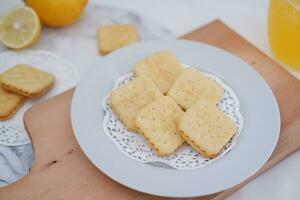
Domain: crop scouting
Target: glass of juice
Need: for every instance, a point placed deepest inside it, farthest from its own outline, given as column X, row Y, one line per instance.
column 284, row 31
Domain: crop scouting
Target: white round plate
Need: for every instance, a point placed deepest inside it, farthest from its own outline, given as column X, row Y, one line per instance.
column 254, row 146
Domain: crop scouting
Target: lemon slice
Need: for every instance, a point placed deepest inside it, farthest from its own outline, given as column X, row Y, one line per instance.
column 19, row 28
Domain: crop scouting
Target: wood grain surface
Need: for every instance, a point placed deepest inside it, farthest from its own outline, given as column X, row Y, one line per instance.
column 61, row 171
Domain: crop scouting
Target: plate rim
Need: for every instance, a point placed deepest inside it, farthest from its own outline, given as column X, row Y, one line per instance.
column 76, row 128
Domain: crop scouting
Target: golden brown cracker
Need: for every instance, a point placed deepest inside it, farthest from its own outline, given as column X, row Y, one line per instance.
column 112, row 37
column 206, row 128
column 9, row 103
column 27, row 81
column 191, row 86
column 158, row 123
column 162, row 67
column 127, row 100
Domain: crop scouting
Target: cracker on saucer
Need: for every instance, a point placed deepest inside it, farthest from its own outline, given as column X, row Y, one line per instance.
column 206, row 128
column 27, row 81
column 158, row 123
column 9, row 103
column 162, row 67
column 127, row 100
column 191, row 86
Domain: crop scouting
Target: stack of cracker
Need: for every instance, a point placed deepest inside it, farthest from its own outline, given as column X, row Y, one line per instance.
column 168, row 105
column 20, row 83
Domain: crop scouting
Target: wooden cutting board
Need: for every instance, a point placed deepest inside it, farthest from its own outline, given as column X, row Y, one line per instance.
column 61, row 171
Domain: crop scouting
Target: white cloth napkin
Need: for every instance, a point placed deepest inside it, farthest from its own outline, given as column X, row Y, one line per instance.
column 15, row 162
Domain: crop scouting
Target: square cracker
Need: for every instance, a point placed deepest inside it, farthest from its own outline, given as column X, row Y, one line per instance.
column 158, row 123
column 162, row 67
column 206, row 128
column 191, row 86
column 127, row 100
column 112, row 37
column 27, row 81
column 9, row 103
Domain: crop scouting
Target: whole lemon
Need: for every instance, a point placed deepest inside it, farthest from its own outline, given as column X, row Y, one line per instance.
column 58, row 13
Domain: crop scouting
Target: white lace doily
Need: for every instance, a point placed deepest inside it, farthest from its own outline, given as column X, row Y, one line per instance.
column 135, row 147
column 12, row 132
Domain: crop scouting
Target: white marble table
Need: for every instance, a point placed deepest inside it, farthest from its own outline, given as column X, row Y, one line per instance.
column 248, row 18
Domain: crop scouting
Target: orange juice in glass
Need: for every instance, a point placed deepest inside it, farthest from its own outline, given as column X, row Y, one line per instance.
column 284, row 31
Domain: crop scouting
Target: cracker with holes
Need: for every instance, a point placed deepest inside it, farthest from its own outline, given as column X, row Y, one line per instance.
column 27, row 81
column 9, row 103
column 127, row 100
column 162, row 67
column 206, row 128
column 112, row 37
column 158, row 123
column 191, row 86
